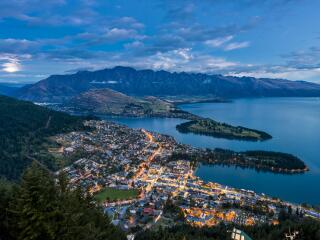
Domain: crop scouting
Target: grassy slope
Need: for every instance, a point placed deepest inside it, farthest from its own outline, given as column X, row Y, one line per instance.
column 107, row 101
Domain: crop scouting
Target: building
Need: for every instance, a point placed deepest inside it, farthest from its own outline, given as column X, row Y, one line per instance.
column 237, row 234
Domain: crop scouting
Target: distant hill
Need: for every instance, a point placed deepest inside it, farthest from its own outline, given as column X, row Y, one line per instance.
column 108, row 101
column 9, row 88
column 24, row 131
column 58, row 88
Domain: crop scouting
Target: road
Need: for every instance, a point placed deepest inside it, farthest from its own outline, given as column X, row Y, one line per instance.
column 146, row 164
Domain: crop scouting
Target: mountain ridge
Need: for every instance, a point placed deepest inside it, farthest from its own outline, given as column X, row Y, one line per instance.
column 127, row 80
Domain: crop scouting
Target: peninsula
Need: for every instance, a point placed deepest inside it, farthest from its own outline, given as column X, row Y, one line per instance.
column 110, row 102
column 209, row 127
column 114, row 103
column 268, row 161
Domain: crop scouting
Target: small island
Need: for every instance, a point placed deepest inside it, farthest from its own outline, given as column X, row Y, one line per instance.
column 209, row 127
column 259, row 160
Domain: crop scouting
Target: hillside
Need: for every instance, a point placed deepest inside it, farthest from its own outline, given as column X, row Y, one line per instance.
column 24, row 131
column 58, row 88
column 110, row 102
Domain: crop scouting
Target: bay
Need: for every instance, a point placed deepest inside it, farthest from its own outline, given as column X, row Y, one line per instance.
column 294, row 124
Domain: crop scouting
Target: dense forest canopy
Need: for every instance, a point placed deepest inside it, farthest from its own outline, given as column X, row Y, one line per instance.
column 260, row 160
column 40, row 208
column 24, row 131
column 209, row 127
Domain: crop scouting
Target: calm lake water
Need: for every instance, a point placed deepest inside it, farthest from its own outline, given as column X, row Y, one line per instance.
column 294, row 124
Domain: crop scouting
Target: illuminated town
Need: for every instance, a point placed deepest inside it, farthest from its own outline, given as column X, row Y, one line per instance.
column 156, row 190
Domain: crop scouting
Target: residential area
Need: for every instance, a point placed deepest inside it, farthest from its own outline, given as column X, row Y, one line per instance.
column 129, row 173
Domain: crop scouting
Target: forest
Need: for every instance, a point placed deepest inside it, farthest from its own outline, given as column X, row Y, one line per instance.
column 44, row 207
column 259, row 160
column 24, row 131
column 41, row 208
column 209, row 127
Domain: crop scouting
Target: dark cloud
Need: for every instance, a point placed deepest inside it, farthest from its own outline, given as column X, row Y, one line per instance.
column 159, row 44
column 22, row 9
column 18, row 46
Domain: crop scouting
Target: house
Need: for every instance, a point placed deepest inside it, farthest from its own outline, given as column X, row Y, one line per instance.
column 148, row 211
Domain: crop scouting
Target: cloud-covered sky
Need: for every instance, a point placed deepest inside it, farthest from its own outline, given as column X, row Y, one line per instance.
column 260, row 38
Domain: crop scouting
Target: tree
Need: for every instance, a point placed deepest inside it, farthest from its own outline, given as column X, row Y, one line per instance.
column 6, row 196
column 35, row 206
column 43, row 208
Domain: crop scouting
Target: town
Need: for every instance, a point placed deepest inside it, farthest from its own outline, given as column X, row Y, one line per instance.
column 130, row 173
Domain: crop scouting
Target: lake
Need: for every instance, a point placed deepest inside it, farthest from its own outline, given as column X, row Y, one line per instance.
column 294, row 124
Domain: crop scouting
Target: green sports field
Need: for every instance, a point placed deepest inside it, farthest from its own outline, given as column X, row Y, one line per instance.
column 115, row 194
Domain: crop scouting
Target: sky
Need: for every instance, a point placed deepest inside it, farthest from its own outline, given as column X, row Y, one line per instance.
column 259, row 38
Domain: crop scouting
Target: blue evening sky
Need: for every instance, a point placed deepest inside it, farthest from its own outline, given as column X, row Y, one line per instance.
column 260, row 38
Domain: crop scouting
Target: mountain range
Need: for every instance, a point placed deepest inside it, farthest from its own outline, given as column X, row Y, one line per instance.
column 59, row 88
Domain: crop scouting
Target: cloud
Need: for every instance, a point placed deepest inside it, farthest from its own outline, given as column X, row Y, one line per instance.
column 305, row 59
column 281, row 72
column 182, row 36
column 199, row 33
column 217, row 42
column 108, row 36
column 116, row 34
column 196, row 32
column 181, row 59
column 128, row 22
column 185, row 59
column 236, row 45
column 134, row 45
column 171, row 59
column 11, row 64
column 156, row 44
column 11, row 45
column 223, row 42
column 23, row 9
column 80, row 69
column 181, row 12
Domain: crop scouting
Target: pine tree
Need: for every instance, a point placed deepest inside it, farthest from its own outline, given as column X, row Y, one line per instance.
column 6, row 196
column 35, row 205
column 47, row 209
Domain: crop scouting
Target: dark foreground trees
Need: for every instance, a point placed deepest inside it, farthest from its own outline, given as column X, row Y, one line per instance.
column 25, row 129
column 40, row 208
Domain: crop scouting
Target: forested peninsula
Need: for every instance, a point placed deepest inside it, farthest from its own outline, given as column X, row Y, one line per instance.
column 209, row 127
column 268, row 161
